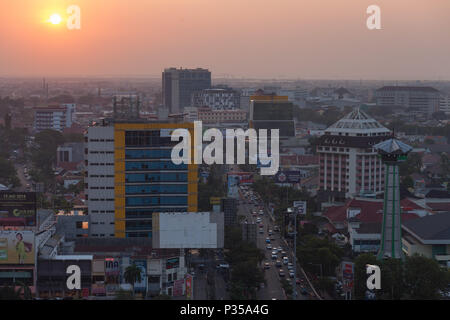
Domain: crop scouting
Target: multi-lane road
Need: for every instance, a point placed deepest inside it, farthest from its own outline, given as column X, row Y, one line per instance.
column 273, row 288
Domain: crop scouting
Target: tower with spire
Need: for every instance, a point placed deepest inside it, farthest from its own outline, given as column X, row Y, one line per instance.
column 392, row 152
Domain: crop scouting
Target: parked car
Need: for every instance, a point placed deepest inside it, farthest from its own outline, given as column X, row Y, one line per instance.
column 269, row 247
column 267, row 265
column 281, row 273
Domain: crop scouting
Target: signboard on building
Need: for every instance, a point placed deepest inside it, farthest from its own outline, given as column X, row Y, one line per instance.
column 18, row 208
column 347, row 275
column 300, row 207
column 17, row 247
column 112, row 267
column 288, row 177
column 141, row 286
column 173, row 263
column 214, row 200
column 178, row 288
column 188, row 287
column 234, row 179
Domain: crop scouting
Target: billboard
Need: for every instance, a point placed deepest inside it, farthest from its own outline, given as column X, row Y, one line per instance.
column 17, row 247
column 18, row 208
column 287, row 177
column 141, row 286
column 300, row 207
column 188, row 230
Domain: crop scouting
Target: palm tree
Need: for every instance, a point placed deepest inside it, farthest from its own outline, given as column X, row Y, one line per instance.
column 132, row 275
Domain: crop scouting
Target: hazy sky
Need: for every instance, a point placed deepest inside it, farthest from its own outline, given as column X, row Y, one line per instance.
column 244, row 38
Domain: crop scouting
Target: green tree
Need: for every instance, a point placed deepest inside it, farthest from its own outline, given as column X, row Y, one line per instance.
column 132, row 275
column 393, row 287
column 8, row 173
column 408, row 182
column 424, row 278
column 360, row 276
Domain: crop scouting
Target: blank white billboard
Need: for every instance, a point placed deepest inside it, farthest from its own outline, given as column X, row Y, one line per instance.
column 188, row 230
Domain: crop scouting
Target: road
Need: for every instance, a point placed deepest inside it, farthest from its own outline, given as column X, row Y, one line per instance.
column 274, row 288
column 23, row 181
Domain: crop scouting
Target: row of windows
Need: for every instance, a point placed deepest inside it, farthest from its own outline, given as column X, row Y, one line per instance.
column 102, row 211
column 102, row 188
column 148, row 154
column 101, row 176
column 149, row 201
column 101, row 152
column 366, row 242
column 101, row 164
column 156, row 177
column 149, row 138
column 165, row 188
column 147, row 213
column 101, row 199
column 153, row 165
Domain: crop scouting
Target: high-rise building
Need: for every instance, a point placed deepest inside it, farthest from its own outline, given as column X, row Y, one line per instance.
column 130, row 175
column 272, row 112
column 420, row 100
column 392, row 152
column 349, row 165
column 178, row 86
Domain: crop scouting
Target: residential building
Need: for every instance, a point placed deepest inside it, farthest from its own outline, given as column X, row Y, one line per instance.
column 208, row 115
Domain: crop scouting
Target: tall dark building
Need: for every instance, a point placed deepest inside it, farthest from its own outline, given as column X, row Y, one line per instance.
column 179, row 85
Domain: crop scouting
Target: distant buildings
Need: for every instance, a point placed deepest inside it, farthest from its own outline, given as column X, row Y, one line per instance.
column 349, row 165
column 54, row 117
column 444, row 104
column 178, row 86
column 216, row 99
column 420, row 100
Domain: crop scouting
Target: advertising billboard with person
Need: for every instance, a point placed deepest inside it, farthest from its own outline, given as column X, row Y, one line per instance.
column 17, row 247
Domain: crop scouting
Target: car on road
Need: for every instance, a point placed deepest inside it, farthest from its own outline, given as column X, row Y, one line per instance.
column 261, row 231
column 274, row 257
column 279, row 249
column 267, row 240
column 285, row 260
column 281, row 273
column 290, row 266
column 274, row 253
column 278, row 263
column 223, row 266
column 283, row 253
column 304, row 291
column 292, row 274
column 267, row 265
column 299, row 281
column 270, row 232
column 258, row 220
column 269, row 247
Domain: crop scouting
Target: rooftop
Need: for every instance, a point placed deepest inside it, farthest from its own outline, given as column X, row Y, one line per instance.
column 407, row 88
column 431, row 229
column 356, row 122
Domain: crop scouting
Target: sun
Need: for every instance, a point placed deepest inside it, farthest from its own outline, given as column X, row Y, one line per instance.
column 55, row 19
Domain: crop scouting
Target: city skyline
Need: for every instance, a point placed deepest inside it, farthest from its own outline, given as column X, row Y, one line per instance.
column 326, row 40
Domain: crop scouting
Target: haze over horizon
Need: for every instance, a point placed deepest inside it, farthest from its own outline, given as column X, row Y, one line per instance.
column 325, row 39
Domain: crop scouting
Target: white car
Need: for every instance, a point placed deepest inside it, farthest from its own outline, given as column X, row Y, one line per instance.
column 269, row 247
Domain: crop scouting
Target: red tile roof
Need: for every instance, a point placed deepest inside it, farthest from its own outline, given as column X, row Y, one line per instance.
column 439, row 206
column 371, row 211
